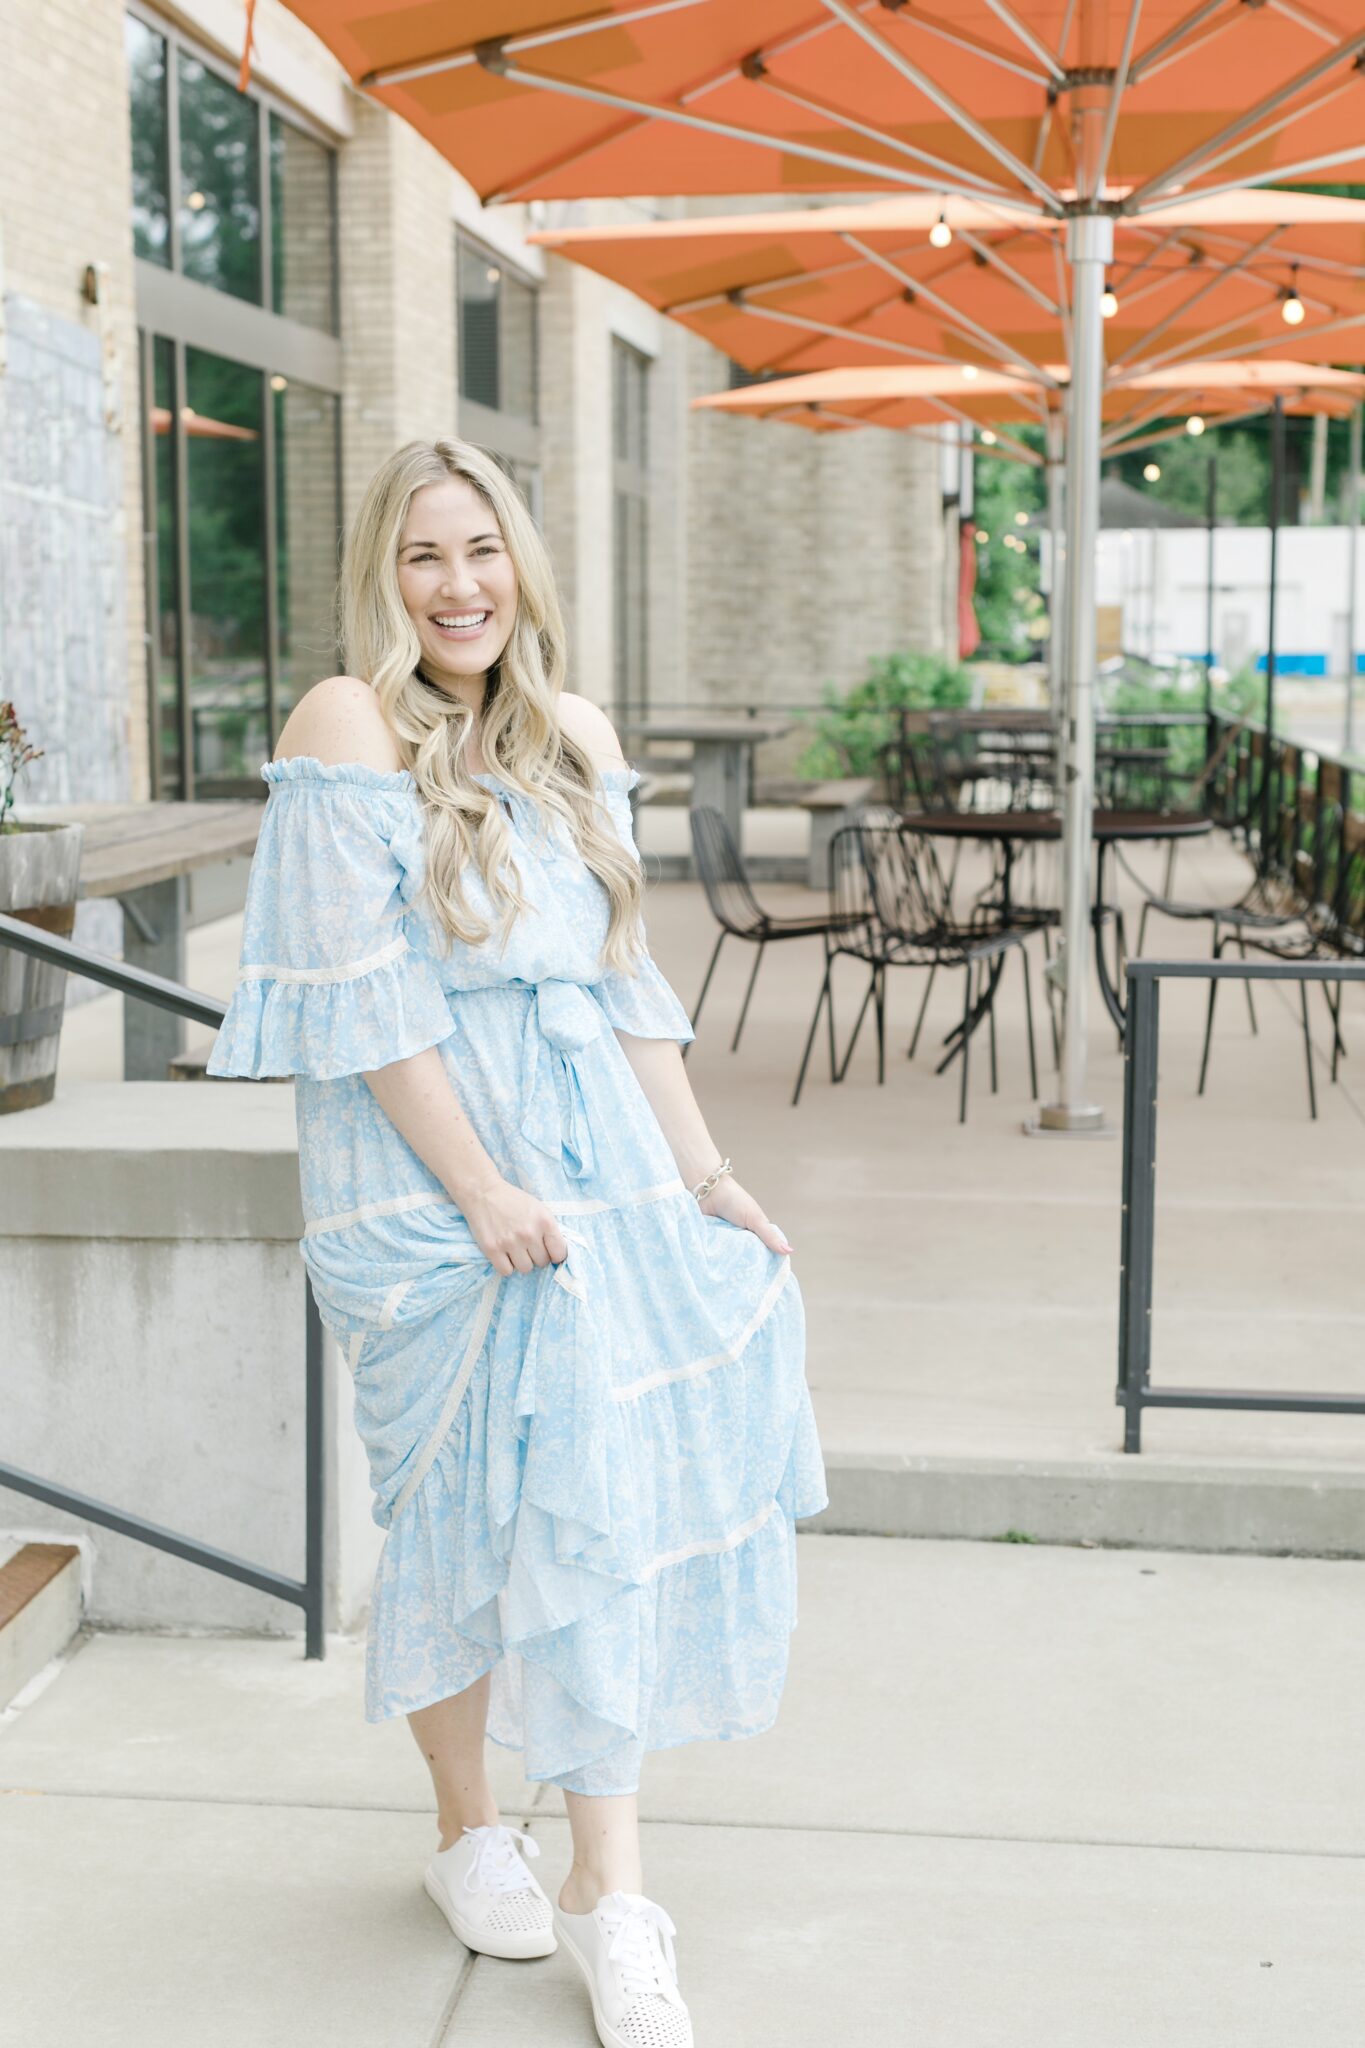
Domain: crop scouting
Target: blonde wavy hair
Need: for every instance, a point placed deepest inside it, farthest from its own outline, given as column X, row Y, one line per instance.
column 519, row 730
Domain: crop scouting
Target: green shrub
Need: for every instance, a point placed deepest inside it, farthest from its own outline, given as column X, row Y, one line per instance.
column 853, row 726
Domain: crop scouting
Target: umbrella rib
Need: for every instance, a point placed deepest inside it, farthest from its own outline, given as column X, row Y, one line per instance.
column 968, row 180
column 900, row 348
column 990, row 255
column 1215, row 420
column 530, row 39
column 1022, row 33
column 542, row 81
column 944, row 101
column 1272, row 341
column 1117, row 89
column 1272, row 128
column 1167, row 48
column 1197, row 345
column 1210, row 284
column 1277, row 174
column 1303, row 18
column 950, row 312
column 934, row 25
column 1196, row 158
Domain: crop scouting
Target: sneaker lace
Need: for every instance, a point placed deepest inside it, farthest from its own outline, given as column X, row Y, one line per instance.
column 641, row 1946
column 496, row 1866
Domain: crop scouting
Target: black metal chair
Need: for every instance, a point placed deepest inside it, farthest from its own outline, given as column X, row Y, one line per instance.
column 739, row 913
column 853, row 933
column 1307, row 930
column 900, row 915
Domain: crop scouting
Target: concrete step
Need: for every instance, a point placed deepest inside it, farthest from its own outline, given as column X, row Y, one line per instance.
column 40, row 1608
column 1148, row 1502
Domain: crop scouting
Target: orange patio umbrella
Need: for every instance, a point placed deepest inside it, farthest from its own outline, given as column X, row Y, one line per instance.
column 1074, row 109
column 912, row 279
column 1013, row 98
column 910, row 397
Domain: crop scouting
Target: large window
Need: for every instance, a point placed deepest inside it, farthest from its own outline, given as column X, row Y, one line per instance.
column 234, row 228
column 227, row 190
column 499, row 364
column 630, row 526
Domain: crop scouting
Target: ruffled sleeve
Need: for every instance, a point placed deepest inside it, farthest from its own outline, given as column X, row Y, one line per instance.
column 641, row 1004
column 327, row 983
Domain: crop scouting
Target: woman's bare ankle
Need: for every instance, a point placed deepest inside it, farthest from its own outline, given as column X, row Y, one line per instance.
column 583, row 1887
column 454, row 1815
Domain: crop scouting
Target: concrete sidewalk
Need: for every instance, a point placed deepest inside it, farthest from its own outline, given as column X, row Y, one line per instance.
column 1017, row 1796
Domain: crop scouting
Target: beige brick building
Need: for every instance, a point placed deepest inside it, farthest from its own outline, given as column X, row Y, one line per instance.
column 221, row 312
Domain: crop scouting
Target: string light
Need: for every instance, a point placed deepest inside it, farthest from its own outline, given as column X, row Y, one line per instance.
column 1109, row 303
column 1292, row 307
column 940, row 234
column 1152, row 472
column 1021, row 518
column 981, row 536
column 969, row 371
column 988, row 438
column 1194, row 425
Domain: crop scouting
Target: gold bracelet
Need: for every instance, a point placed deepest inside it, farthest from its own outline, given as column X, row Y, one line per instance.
column 704, row 1187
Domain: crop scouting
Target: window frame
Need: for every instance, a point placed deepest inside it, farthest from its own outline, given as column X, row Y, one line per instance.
column 187, row 314
column 505, row 433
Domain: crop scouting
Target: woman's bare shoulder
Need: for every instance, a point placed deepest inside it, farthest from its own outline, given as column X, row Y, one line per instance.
column 340, row 720
column 589, row 725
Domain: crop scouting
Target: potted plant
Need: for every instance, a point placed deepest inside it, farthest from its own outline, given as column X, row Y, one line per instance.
column 39, row 870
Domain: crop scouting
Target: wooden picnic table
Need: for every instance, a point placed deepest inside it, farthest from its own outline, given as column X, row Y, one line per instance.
column 721, row 747
column 141, row 854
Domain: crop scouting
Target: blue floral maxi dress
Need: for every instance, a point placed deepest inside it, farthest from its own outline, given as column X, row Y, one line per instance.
column 589, row 1475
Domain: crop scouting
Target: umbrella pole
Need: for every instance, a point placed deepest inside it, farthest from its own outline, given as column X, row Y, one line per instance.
column 1348, row 740
column 1090, row 248
column 1269, row 769
column 1056, row 519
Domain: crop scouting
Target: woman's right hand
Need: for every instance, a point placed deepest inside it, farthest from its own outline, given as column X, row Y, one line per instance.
column 514, row 1231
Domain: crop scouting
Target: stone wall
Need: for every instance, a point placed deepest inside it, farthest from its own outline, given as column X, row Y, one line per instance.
column 71, row 569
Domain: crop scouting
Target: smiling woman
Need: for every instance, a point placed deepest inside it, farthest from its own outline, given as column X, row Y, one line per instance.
column 577, row 1341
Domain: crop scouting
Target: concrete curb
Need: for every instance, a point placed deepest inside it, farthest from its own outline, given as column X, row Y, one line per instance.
column 1142, row 1502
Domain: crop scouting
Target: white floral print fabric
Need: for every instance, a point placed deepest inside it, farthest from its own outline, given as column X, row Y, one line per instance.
column 589, row 1475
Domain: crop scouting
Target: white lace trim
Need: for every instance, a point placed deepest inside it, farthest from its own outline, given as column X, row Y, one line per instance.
column 427, row 1455
column 731, row 1351
column 397, row 1205
column 391, row 1302
column 351, row 972
column 392, row 1205
column 712, row 1546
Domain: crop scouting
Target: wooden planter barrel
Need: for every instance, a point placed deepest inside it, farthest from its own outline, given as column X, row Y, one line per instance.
column 39, row 871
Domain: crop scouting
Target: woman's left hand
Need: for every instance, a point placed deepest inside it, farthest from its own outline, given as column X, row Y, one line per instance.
column 729, row 1200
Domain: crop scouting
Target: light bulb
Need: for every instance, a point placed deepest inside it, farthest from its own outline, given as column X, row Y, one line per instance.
column 969, row 371
column 1152, row 472
column 981, row 536
column 1021, row 518
column 988, row 439
column 1194, row 425
column 279, row 383
column 195, row 201
column 940, row 234
column 1109, row 304
column 1291, row 311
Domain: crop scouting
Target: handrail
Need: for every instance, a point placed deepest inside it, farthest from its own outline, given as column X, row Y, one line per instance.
column 306, row 1593
column 1135, row 1391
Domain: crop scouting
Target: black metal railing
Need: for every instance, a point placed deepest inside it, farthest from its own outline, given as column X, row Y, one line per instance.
column 305, row 1593
column 1297, row 811
column 1135, row 1391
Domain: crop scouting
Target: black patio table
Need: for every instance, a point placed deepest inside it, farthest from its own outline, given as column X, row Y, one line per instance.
column 1010, row 829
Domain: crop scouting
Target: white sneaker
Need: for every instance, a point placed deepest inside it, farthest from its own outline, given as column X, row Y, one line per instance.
column 624, row 1948
column 489, row 1896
